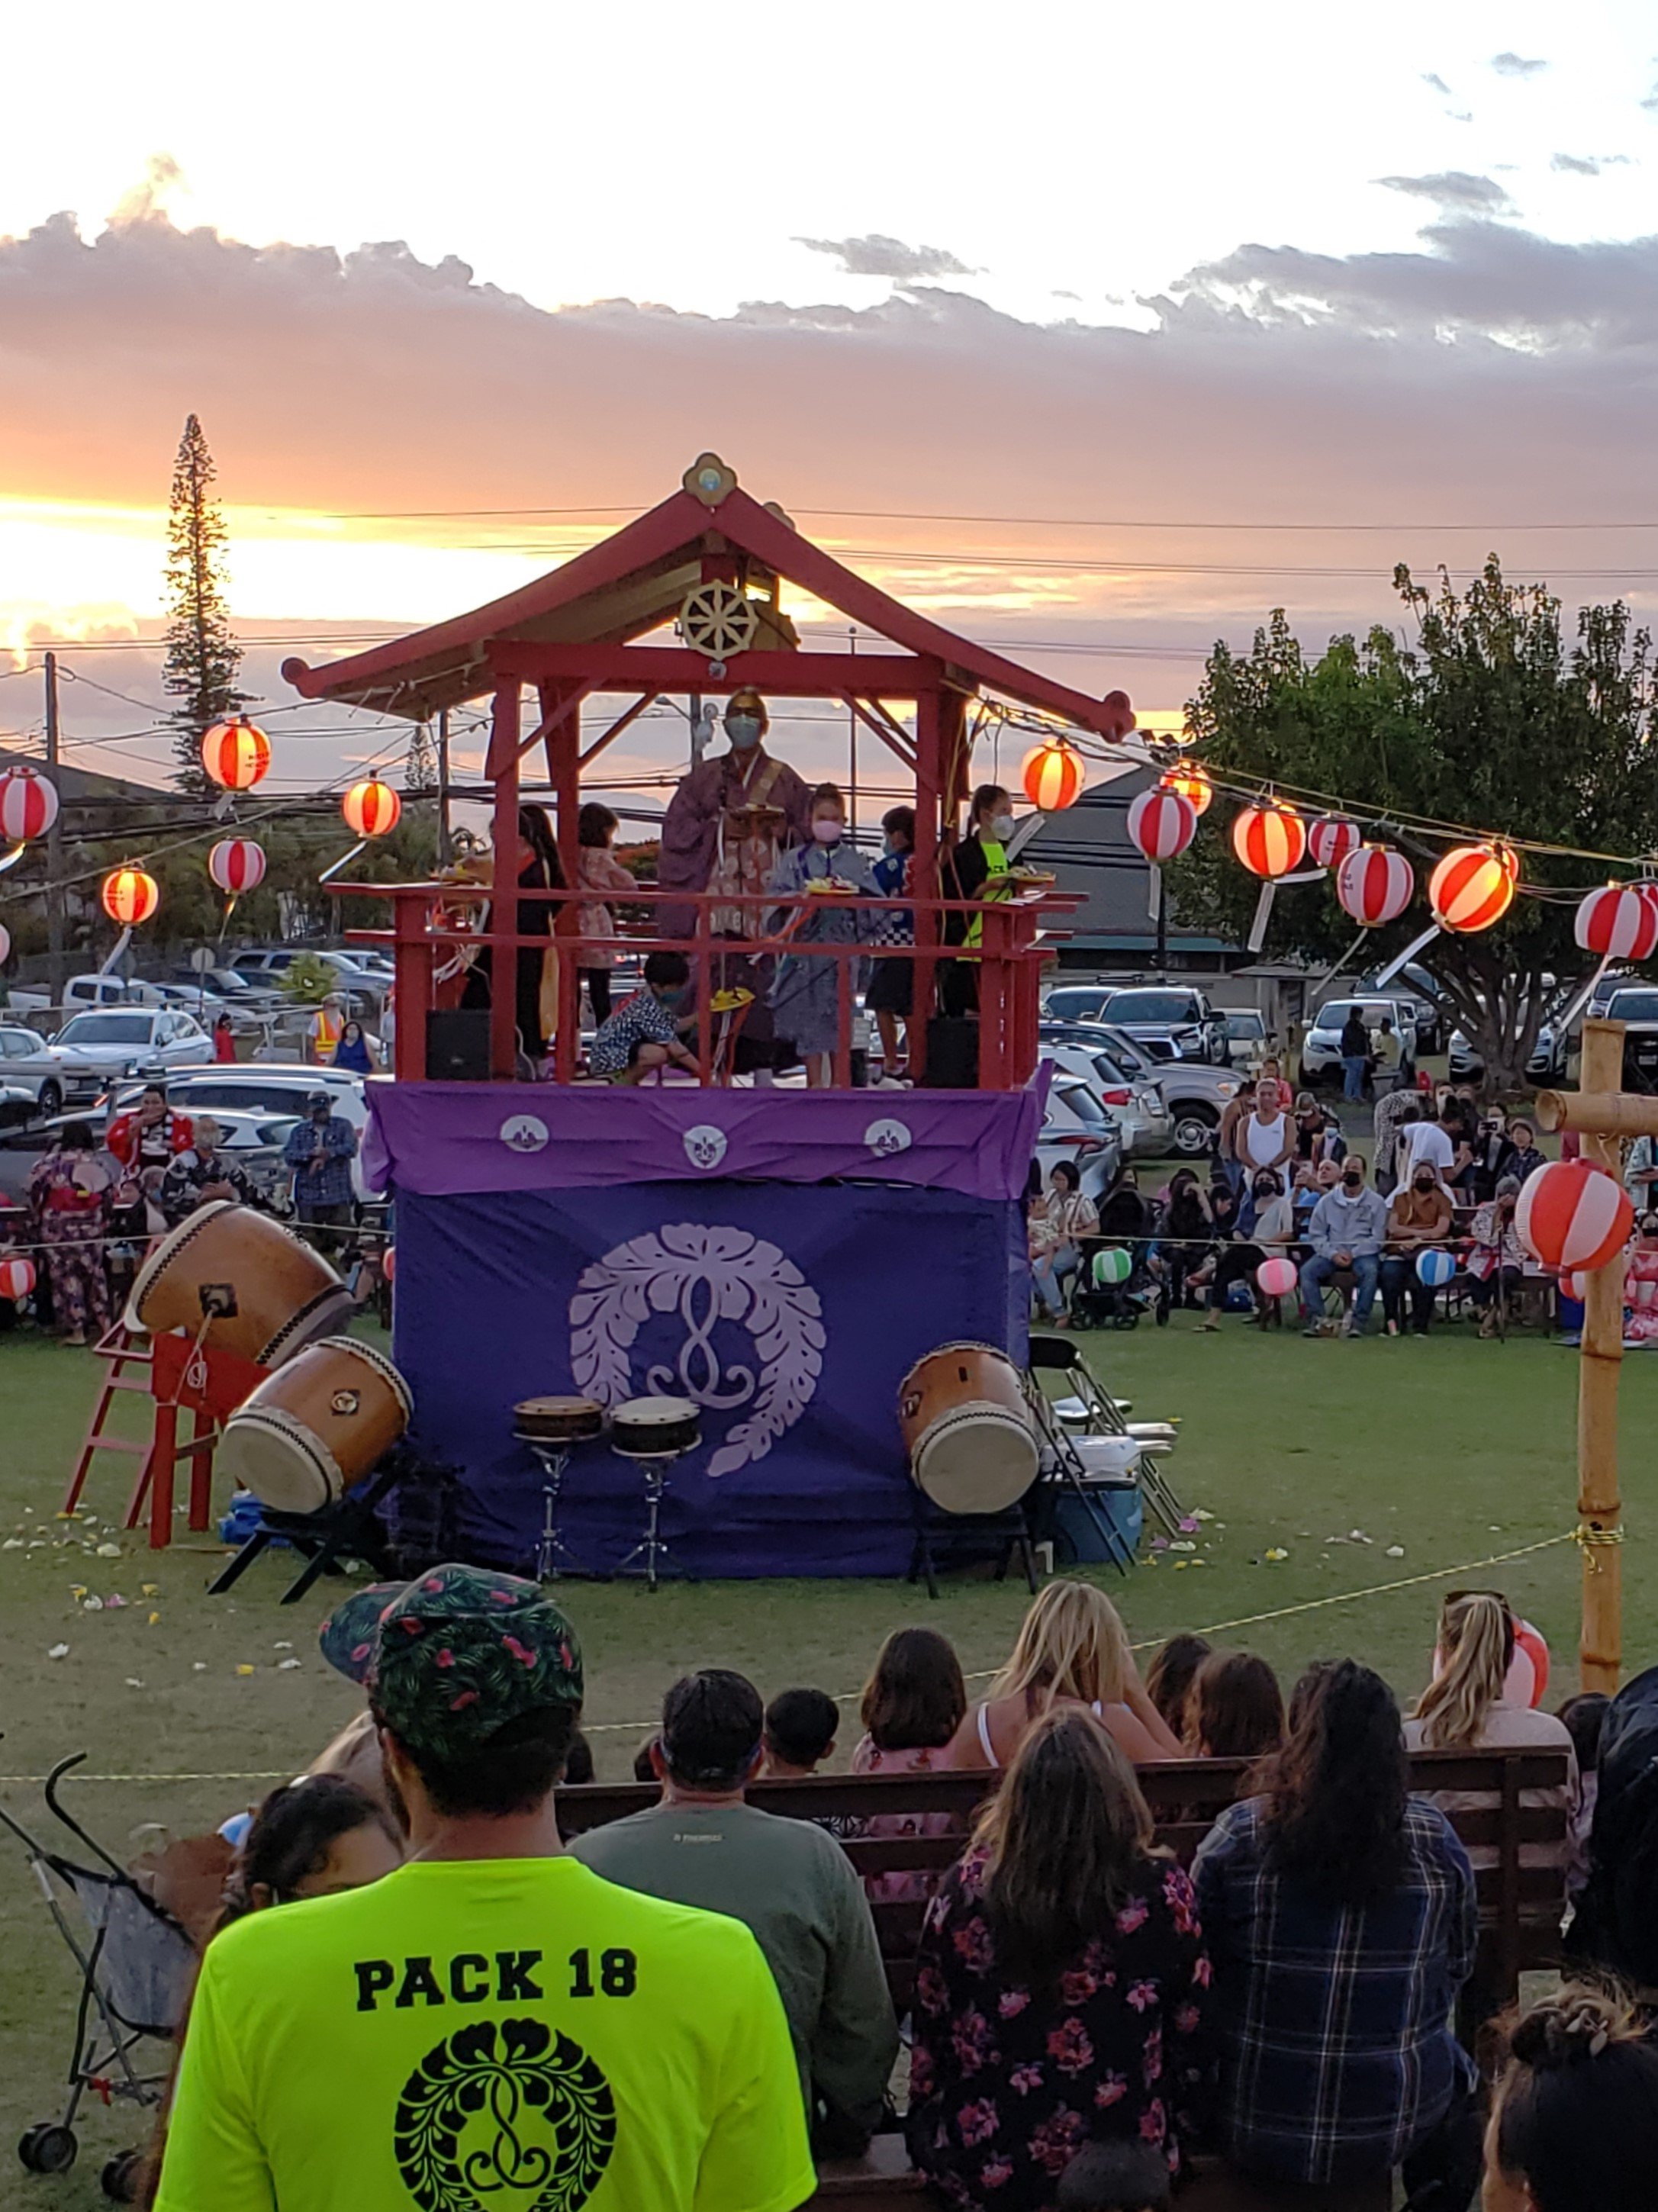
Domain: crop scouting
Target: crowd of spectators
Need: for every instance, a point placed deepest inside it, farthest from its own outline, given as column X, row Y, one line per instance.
column 697, row 1988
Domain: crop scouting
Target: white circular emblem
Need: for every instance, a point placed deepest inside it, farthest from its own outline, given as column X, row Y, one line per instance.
column 522, row 1132
column 884, row 1138
column 705, row 1146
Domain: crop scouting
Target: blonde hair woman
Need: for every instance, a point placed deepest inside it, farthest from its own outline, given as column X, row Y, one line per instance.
column 1072, row 1650
column 1462, row 1710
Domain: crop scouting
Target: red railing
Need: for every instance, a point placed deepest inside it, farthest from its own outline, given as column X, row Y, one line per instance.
column 1008, row 963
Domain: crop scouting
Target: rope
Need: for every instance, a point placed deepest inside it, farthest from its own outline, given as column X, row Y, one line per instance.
column 982, row 1675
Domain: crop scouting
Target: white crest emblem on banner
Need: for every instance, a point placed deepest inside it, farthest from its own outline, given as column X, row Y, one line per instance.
column 522, row 1132
column 887, row 1138
column 706, row 1275
column 705, row 1146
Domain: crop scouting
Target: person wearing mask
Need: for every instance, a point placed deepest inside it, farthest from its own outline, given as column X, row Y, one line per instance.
column 787, row 1880
column 1235, row 1710
column 1056, row 1236
column 323, row 1031
column 805, row 992
column 971, row 871
column 1526, row 1158
column 890, row 994
column 1072, row 1650
column 354, row 1052
column 1061, row 1982
column 1574, row 2124
column 1184, row 1230
column 1432, row 1140
column 224, row 1041
column 1497, row 1258
column 1341, row 1919
column 1347, row 1230
column 535, row 966
column 1266, row 1230
column 319, row 1151
column 646, row 1030
column 69, row 1194
column 1318, row 1134
column 596, row 828
column 491, row 2020
column 203, row 1174
column 1355, row 1056
column 1420, row 1217
column 1225, row 1202
column 1493, row 1155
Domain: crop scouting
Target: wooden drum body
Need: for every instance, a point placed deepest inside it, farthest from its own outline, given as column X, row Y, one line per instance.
column 242, row 1282
column 971, row 1441
column 557, row 1420
column 655, row 1428
column 315, row 1426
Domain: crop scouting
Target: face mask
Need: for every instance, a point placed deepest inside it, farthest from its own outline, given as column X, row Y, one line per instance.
column 1350, row 1182
column 1002, row 827
column 743, row 730
column 1423, row 1182
column 828, row 833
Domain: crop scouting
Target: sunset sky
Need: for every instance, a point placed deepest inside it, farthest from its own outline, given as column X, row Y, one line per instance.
column 1096, row 331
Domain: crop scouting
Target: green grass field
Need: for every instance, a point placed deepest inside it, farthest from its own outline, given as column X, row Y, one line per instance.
column 1449, row 1449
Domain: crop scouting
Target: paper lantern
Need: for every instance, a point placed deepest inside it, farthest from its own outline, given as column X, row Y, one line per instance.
column 1053, row 775
column 28, row 805
column 129, row 895
column 1275, row 1278
column 5, row 945
column 1162, row 824
column 1573, row 1214
column 1435, row 1269
column 1270, row 840
column 1112, row 1267
column 371, row 808
column 235, row 755
column 1331, row 838
column 389, row 1263
column 1472, row 887
column 1374, row 885
column 16, row 1279
column 1193, row 786
column 1618, row 923
column 236, row 864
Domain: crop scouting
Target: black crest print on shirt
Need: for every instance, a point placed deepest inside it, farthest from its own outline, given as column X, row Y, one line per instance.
column 505, row 2117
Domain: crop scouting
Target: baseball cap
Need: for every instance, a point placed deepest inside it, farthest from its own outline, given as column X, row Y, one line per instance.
column 454, row 1655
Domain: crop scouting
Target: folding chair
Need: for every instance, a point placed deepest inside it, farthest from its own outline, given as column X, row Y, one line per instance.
column 1064, row 1466
column 1091, row 1411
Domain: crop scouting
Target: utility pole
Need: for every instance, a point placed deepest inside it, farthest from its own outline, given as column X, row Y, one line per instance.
column 57, row 975
column 852, row 731
column 444, row 849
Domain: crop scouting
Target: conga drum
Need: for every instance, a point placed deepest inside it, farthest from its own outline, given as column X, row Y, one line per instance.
column 315, row 1426
column 241, row 1281
column 967, row 1430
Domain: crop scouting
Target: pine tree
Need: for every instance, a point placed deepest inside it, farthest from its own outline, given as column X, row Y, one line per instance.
column 419, row 767
column 202, row 656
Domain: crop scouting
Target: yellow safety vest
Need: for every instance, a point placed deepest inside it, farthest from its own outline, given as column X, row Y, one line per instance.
column 995, row 864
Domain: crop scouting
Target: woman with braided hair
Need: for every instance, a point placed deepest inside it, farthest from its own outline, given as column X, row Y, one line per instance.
column 1574, row 2124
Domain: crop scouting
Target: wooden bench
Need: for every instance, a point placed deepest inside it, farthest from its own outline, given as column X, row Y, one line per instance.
column 1521, row 1906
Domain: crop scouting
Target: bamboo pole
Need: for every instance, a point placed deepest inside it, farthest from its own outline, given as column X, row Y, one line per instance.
column 1601, row 1114
column 1599, row 1505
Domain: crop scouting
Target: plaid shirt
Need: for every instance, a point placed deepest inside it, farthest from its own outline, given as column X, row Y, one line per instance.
column 1337, row 2051
column 641, row 1019
column 326, row 1182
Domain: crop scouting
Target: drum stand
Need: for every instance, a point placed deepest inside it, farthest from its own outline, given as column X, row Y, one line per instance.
column 652, row 1549
column 554, row 1557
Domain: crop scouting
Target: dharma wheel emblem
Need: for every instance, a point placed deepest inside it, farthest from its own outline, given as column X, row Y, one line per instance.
column 719, row 620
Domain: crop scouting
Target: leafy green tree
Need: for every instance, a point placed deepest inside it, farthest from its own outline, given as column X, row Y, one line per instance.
column 203, row 658
column 1486, row 722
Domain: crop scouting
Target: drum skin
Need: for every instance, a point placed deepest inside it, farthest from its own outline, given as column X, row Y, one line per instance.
column 967, row 1430
column 278, row 1293
column 557, row 1420
column 650, row 1428
column 315, row 1426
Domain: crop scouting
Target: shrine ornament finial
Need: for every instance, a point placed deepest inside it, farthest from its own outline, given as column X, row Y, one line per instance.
column 709, row 480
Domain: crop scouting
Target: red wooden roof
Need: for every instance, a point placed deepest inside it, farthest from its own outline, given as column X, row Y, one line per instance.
column 636, row 580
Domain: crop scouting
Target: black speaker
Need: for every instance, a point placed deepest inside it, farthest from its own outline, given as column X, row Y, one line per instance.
column 952, row 1054
column 458, row 1045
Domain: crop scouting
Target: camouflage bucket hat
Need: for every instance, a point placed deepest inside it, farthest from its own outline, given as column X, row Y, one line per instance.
column 454, row 1655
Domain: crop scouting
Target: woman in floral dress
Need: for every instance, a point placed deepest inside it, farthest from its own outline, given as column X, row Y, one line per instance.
column 69, row 1194
column 1060, row 1985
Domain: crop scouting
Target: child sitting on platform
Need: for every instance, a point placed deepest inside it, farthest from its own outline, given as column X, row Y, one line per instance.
column 644, row 1032
column 799, row 1733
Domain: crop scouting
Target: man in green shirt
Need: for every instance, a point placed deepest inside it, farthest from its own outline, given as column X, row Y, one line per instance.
column 493, row 2024
column 791, row 1883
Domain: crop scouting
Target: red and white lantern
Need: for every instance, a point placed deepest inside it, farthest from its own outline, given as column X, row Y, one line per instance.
column 1618, row 923
column 236, row 864
column 5, row 945
column 1270, row 840
column 235, row 755
column 28, row 805
column 1331, row 838
column 1193, row 786
column 1162, row 824
column 1374, row 885
column 1573, row 1215
column 371, row 808
column 1473, row 887
column 16, row 1279
column 389, row 1263
column 130, row 895
column 1053, row 775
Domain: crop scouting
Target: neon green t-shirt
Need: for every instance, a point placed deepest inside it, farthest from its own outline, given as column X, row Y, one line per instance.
column 515, row 2035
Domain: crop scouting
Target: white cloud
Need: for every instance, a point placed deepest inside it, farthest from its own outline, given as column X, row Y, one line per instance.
column 877, row 255
column 1513, row 64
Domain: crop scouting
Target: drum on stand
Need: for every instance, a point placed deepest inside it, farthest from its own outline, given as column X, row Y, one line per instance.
column 655, row 1428
column 557, row 1421
column 967, row 1430
column 241, row 1282
column 317, row 1426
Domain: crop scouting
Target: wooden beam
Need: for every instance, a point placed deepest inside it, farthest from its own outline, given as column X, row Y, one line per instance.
column 641, row 705
column 503, row 898
column 895, row 738
column 1601, row 1649
column 607, row 667
column 1598, row 1113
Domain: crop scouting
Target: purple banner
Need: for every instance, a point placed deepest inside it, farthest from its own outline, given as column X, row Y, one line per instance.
column 446, row 1138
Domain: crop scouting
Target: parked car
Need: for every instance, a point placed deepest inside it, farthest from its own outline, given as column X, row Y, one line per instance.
column 1195, row 1094
column 94, row 1050
column 28, row 1063
column 1136, row 1106
column 1171, row 1021
column 1076, row 1127
column 1416, row 988
column 259, row 1092
column 229, row 984
column 1547, row 1063
column 1247, row 1042
column 80, row 992
column 267, row 964
column 1320, row 1048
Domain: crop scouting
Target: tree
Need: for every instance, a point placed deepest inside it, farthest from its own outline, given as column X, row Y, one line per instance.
column 420, row 767
column 202, row 656
column 1487, row 724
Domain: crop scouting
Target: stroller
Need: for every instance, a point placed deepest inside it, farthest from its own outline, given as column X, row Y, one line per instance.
column 1104, row 1296
column 137, row 1965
